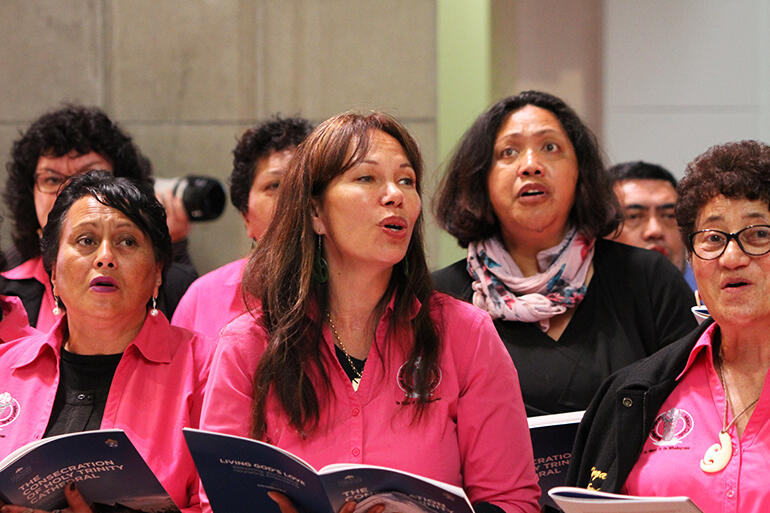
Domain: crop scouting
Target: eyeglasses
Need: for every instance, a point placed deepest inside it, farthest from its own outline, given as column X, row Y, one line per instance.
column 50, row 182
column 753, row 240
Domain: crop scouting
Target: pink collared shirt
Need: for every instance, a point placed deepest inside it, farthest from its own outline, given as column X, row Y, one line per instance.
column 157, row 390
column 688, row 424
column 212, row 300
column 475, row 434
column 14, row 323
column 33, row 268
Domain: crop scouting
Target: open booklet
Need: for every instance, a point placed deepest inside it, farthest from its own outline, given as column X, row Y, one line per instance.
column 580, row 500
column 106, row 466
column 238, row 472
column 552, row 439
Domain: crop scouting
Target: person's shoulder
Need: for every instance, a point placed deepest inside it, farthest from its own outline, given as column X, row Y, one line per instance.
column 229, row 269
column 453, row 279
column 665, row 363
column 453, row 316
column 243, row 329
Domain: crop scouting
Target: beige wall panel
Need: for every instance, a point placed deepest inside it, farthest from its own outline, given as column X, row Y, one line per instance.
column 177, row 60
column 558, row 49
column 204, row 150
column 322, row 58
column 50, row 51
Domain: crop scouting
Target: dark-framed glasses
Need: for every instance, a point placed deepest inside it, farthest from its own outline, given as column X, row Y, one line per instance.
column 50, row 182
column 753, row 240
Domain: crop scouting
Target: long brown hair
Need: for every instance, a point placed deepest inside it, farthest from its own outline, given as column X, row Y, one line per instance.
column 280, row 273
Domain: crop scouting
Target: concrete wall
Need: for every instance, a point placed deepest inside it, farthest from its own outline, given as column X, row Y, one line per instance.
column 186, row 77
column 682, row 75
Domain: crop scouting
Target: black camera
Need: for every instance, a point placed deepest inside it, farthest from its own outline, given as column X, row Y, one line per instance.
column 203, row 197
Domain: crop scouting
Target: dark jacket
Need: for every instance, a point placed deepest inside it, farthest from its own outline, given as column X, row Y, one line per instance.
column 616, row 424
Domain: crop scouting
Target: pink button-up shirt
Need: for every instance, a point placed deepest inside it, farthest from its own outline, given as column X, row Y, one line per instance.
column 212, row 300
column 33, row 268
column 688, row 423
column 14, row 323
column 157, row 390
column 475, row 433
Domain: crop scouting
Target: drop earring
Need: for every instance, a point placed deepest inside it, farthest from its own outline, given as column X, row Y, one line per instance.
column 56, row 310
column 154, row 309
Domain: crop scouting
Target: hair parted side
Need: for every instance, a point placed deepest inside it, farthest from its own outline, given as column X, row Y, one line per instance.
column 293, row 304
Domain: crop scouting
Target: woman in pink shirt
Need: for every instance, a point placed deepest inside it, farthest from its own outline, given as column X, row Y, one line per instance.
column 259, row 162
column 112, row 360
column 694, row 418
column 350, row 357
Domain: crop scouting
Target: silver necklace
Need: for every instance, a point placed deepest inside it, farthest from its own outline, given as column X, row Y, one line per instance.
column 718, row 455
column 357, row 380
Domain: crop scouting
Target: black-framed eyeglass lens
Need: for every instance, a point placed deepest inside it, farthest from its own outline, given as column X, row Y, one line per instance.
column 753, row 240
column 50, row 182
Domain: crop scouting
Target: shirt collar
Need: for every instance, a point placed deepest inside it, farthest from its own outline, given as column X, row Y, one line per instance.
column 32, row 268
column 704, row 343
column 152, row 341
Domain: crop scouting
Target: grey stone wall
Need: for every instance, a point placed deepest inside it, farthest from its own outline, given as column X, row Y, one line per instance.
column 186, row 77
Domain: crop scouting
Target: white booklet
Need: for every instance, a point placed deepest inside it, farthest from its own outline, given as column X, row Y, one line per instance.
column 581, row 500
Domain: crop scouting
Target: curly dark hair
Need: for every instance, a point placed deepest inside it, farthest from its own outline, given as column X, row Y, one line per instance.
column 136, row 200
column 275, row 134
column 57, row 133
column 462, row 205
column 737, row 170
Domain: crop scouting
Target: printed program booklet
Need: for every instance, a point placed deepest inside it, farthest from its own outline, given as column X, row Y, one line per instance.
column 238, row 472
column 105, row 465
column 552, row 439
column 580, row 500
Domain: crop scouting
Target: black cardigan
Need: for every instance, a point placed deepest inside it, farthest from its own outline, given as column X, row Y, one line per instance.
column 615, row 426
column 636, row 303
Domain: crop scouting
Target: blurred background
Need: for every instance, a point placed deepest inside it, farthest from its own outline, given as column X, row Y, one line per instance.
column 658, row 80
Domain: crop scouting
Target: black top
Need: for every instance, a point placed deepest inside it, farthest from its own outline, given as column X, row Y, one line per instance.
column 615, row 426
column 82, row 393
column 635, row 303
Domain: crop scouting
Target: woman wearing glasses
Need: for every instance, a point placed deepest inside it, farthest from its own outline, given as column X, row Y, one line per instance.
column 703, row 402
column 58, row 145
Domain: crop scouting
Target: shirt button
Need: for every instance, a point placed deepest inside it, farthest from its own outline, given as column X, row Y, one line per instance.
column 731, row 493
column 356, row 411
column 356, row 451
column 627, row 402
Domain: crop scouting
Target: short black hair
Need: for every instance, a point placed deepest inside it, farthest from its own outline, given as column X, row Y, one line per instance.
column 275, row 134
column 463, row 207
column 57, row 133
column 136, row 200
column 640, row 170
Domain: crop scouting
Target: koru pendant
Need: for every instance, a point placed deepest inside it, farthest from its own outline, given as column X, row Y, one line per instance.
column 718, row 455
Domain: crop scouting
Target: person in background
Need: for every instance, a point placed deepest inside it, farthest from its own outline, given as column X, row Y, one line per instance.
column 111, row 360
column 60, row 144
column 694, row 418
column 526, row 192
column 347, row 321
column 647, row 194
column 13, row 317
column 259, row 162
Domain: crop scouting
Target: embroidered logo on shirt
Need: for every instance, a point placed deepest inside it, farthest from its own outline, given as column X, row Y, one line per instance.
column 406, row 381
column 671, row 427
column 9, row 409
